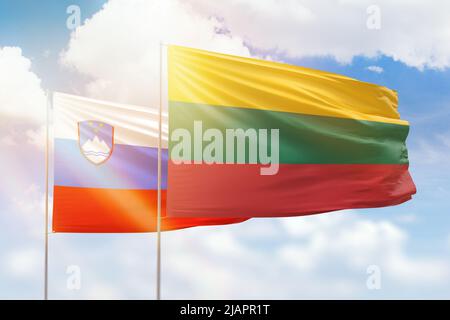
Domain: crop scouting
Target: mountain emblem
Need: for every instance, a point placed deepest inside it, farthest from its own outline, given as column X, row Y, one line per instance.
column 96, row 140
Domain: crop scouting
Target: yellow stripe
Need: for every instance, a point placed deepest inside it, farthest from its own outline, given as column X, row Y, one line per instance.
column 198, row 76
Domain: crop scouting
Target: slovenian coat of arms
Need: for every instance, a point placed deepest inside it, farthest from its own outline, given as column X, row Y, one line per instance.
column 96, row 140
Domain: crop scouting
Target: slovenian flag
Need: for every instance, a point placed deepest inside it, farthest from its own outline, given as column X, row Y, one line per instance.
column 313, row 141
column 106, row 168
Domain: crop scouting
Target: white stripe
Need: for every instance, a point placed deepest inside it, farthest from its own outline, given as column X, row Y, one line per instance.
column 133, row 125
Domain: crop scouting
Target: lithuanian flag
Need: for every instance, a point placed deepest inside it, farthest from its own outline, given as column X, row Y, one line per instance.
column 253, row 138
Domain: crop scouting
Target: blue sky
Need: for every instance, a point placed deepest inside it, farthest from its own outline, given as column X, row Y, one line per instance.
column 415, row 235
column 39, row 27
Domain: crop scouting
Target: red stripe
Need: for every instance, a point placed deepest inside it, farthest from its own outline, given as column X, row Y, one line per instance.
column 232, row 190
column 89, row 210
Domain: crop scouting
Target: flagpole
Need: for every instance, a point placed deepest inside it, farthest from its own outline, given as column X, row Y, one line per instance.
column 47, row 134
column 158, row 223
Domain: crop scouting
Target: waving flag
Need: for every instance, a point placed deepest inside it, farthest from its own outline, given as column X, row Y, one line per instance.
column 105, row 168
column 252, row 138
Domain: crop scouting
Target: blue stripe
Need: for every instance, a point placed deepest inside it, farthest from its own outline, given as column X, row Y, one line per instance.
column 129, row 167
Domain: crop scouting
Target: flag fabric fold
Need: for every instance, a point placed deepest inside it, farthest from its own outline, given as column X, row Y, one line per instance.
column 106, row 167
column 338, row 143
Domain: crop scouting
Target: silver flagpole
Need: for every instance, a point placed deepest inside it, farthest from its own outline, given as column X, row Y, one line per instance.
column 47, row 134
column 158, row 223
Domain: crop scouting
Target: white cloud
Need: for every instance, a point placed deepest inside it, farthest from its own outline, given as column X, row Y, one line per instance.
column 7, row 141
column 376, row 69
column 323, row 256
column 22, row 263
column 339, row 28
column 326, row 259
column 307, row 257
column 22, row 100
column 434, row 150
column 360, row 242
column 29, row 207
column 21, row 95
column 431, row 271
column 47, row 53
column 103, row 292
column 119, row 46
column 37, row 136
column 30, row 201
column 406, row 218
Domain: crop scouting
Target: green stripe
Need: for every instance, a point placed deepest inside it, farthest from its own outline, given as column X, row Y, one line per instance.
column 304, row 139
